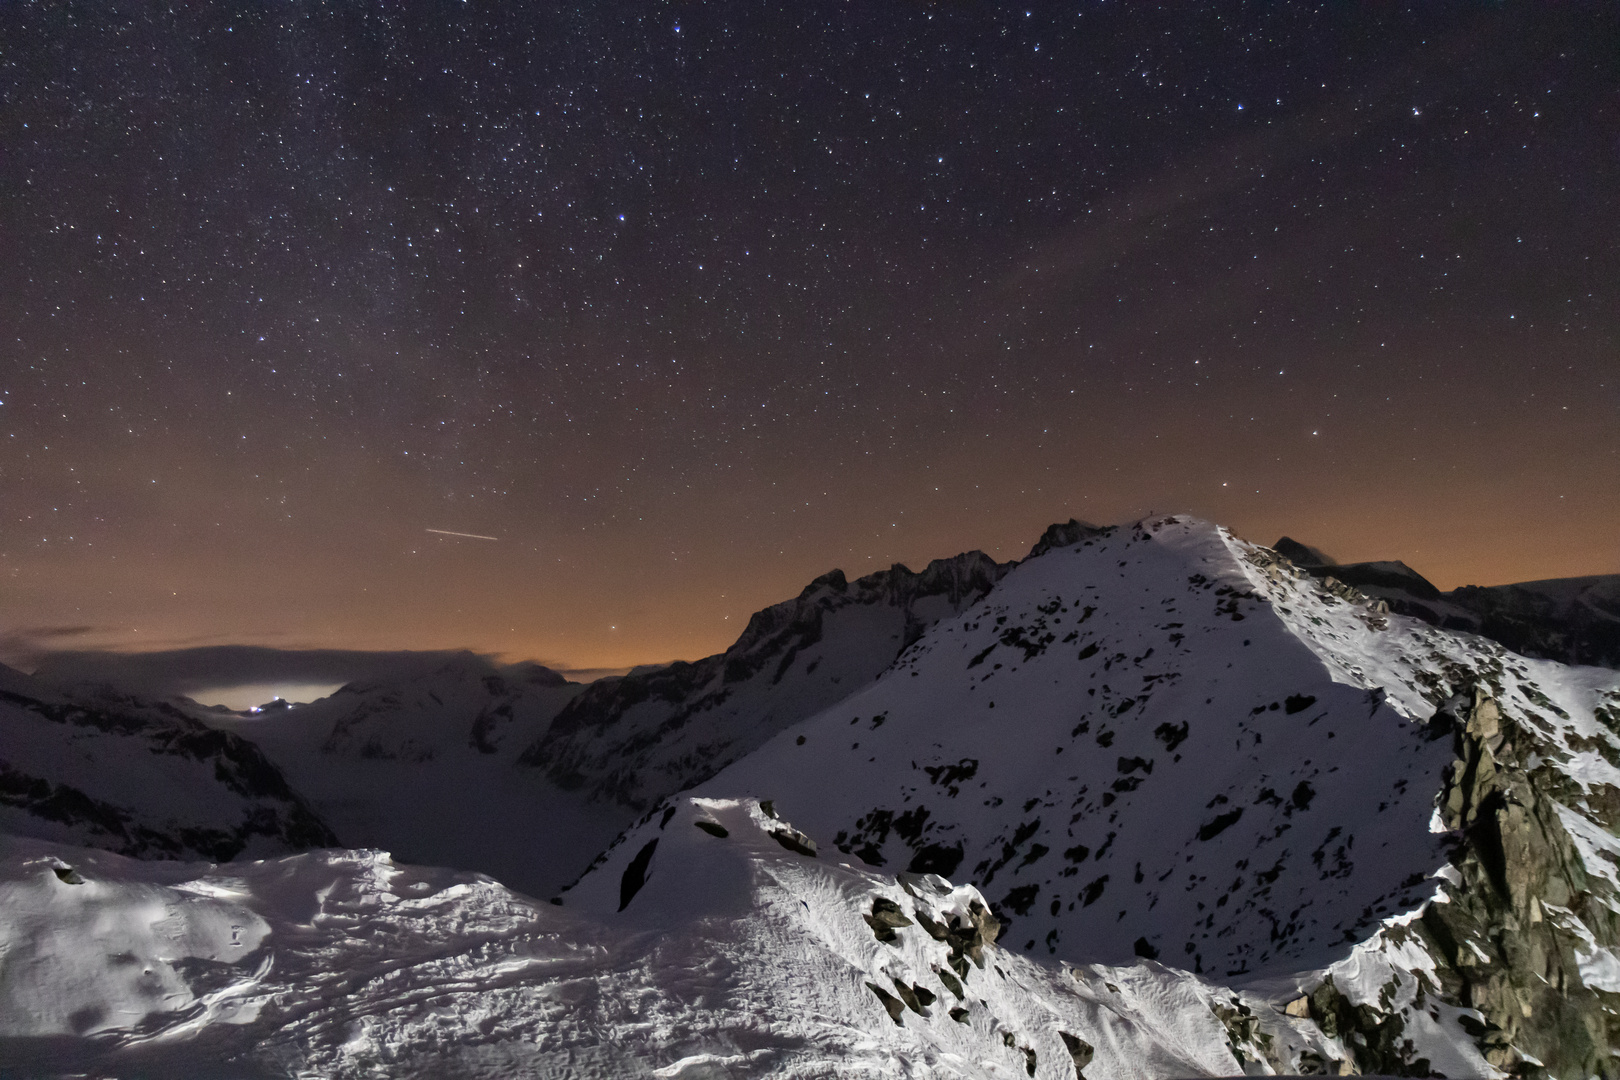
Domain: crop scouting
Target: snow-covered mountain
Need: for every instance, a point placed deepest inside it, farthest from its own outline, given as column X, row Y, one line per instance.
column 1573, row 620
column 633, row 740
column 140, row 778
column 1132, row 753
column 1168, row 742
column 1154, row 802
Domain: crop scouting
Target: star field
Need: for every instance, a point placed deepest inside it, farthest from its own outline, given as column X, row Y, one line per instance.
column 686, row 304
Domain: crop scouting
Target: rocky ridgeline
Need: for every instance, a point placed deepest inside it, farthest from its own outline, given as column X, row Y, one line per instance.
column 1524, row 933
column 635, row 739
column 1529, row 935
column 1571, row 620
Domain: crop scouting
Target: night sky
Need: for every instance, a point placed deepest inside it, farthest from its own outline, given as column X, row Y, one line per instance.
column 686, row 304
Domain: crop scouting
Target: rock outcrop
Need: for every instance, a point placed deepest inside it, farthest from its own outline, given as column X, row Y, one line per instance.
column 1529, row 934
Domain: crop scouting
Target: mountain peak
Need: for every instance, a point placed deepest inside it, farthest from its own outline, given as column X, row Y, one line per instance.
column 1065, row 534
column 1302, row 554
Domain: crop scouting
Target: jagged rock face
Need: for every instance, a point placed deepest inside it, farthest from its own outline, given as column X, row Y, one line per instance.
column 633, row 740
column 1127, row 749
column 1527, row 930
column 1529, row 934
column 141, row 779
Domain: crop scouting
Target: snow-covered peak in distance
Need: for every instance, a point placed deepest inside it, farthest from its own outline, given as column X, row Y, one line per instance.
column 465, row 702
column 1131, row 751
column 141, row 778
column 421, row 764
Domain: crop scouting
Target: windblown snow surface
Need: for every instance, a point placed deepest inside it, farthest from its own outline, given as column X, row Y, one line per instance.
column 1200, row 810
column 719, row 955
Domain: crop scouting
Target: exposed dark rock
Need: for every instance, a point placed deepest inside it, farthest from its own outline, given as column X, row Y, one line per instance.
column 1375, row 1039
column 1244, row 1037
column 713, row 828
column 1080, row 1051
column 1505, row 951
column 967, row 938
column 795, row 841
column 894, row 1006
column 885, row 918
column 635, row 874
column 1505, row 943
column 917, row 998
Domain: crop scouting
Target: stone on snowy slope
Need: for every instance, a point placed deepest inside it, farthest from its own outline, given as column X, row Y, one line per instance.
column 885, row 918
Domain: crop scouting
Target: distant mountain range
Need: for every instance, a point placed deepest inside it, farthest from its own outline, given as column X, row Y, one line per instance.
column 1571, row 620
column 1152, row 795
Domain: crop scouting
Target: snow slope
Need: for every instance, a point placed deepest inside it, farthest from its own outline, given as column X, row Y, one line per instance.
column 140, row 778
column 1371, row 840
column 736, row 955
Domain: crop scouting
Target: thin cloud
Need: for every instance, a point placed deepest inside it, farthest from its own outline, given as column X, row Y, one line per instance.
column 172, row 672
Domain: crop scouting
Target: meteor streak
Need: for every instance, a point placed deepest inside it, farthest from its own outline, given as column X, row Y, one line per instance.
column 469, row 536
